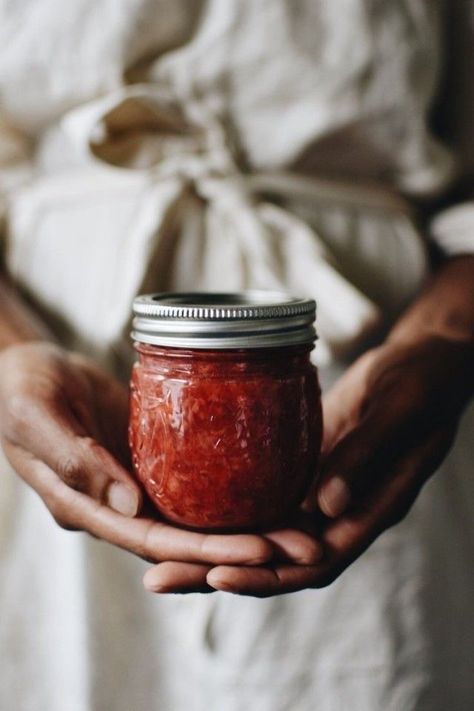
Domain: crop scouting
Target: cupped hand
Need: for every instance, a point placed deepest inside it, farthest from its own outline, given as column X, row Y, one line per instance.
column 63, row 427
column 389, row 423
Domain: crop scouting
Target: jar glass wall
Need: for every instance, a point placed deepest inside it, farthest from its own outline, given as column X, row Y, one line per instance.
column 225, row 438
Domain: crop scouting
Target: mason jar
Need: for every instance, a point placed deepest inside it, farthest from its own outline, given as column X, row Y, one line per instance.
column 225, row 417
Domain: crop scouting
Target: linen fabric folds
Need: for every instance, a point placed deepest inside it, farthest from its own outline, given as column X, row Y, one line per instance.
column 148, row 145
column 155, row 185
column 189, row 220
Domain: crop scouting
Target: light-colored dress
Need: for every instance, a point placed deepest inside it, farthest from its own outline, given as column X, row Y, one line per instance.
column 149, row 145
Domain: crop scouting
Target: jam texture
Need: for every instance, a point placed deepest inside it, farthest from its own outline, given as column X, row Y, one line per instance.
column 225, row 440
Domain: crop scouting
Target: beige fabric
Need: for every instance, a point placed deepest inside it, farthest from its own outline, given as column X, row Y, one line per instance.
column 151, row 144
column 189, row 221
column 164, row 170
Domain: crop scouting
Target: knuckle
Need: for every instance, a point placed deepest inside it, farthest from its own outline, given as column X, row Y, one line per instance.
column 63, row 523
column 59, row 512
column 325, row 580
column 394, row 519
column 89, row 443
column 147, row 547
column 71, row 471
column 397, row 514
column 92, row 451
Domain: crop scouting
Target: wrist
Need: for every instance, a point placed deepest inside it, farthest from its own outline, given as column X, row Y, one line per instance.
column 18, row 323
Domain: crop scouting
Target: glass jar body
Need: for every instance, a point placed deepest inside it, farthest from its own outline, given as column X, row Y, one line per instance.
column 225, row 439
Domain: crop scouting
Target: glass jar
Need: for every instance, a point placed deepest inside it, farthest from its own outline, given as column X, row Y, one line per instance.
column 225, row 423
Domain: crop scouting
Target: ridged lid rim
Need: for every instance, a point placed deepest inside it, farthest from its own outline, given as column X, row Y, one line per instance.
column 254, row 318
column 161, row 305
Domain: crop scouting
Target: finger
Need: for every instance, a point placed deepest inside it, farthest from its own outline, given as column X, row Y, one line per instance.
column 350, row 469
column 364, row 454
column 341, row 402
column 262, row 582
column 147, row 538
column 171, row 577
column 346, row 538
column 53, row 435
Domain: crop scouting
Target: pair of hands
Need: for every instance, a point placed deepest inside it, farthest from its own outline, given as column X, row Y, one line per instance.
column 389, row 422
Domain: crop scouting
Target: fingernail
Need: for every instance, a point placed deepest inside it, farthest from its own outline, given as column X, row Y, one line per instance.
column 335, row 496
column 123, row 499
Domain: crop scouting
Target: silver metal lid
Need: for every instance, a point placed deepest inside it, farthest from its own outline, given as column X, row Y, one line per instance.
column 251, row 319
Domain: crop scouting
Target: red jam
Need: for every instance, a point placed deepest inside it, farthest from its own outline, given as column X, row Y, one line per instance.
column 225, row 439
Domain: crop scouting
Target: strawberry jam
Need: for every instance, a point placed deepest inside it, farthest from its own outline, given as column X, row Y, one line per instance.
column 224, row 438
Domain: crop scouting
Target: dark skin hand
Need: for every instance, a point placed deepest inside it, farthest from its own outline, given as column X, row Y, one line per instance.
column 388, row 424
column 63, row 427
column 387, row 431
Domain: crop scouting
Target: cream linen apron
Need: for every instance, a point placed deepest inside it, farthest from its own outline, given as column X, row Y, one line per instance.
column 190, row 177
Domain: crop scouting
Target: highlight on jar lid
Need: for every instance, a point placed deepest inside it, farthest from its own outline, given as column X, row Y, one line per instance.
column 250, row 319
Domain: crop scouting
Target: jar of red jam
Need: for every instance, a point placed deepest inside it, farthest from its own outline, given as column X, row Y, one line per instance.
column 225, row 424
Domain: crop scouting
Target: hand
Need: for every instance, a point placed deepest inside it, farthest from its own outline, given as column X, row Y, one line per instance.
column 389, row 423
column 63, row 426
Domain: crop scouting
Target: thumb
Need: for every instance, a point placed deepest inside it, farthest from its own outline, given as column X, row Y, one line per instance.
column 342, row 402
column 390, row 426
